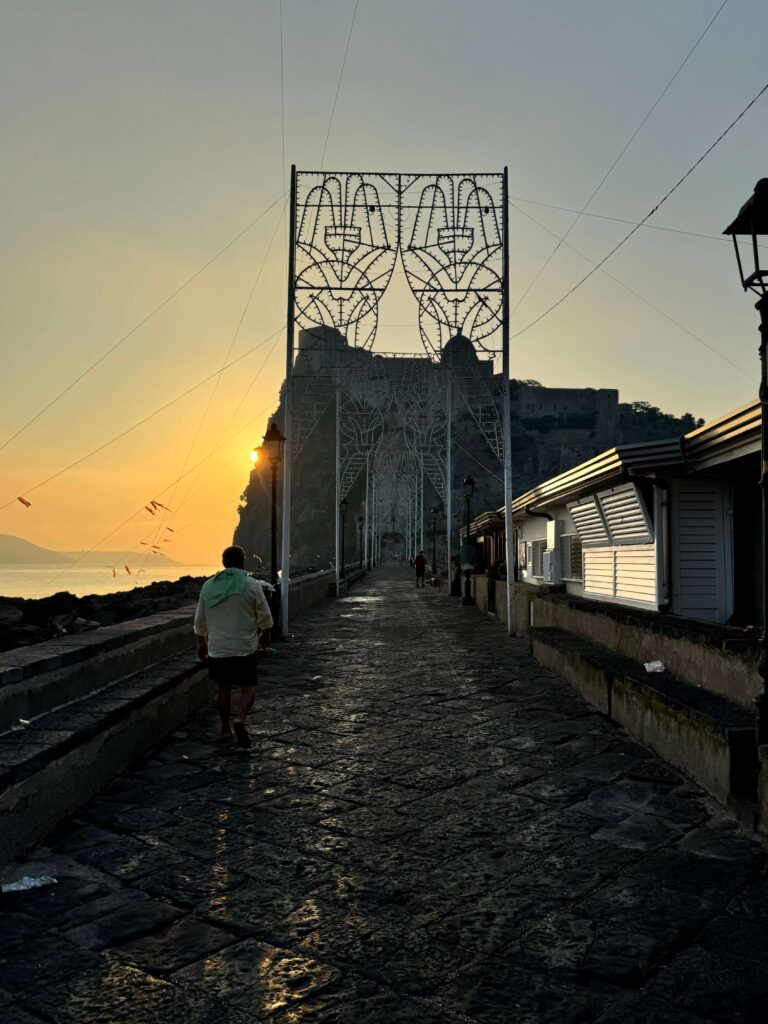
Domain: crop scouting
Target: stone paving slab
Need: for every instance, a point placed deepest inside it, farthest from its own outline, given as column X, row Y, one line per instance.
column 429, row 828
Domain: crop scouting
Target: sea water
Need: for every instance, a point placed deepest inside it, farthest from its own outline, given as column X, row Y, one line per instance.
column 43, row 580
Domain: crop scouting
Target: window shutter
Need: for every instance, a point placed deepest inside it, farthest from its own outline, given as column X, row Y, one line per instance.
column 571, row 557
column 537, row 560
column 699, row 526
column 589, row 523
column 615, row 516
column 625, row 515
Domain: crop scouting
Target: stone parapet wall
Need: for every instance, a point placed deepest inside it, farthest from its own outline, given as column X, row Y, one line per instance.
column 35, row 679
column 709, row 738
column 68, row 756
column 700, row 656
column 715, row 658
column 98, row 702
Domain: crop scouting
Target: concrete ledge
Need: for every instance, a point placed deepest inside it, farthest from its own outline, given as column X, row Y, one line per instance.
column 718, row 658
column 67, row 756
column 709, row 738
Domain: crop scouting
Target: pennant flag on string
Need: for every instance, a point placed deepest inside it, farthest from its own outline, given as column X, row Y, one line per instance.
column 145, row 543
column 113, row 571
column 170, row 529
column 127, row 569
column 24, row 502
column 159, row 504
column 150, row 510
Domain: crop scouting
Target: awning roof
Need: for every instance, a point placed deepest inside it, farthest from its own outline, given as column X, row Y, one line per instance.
column 730, row 437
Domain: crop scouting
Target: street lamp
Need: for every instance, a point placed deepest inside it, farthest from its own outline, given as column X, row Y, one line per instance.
column 469, row 490
column 272, row 447
column 751, row 224
column 360, row 522
column 434, row 510
column 343, row 506
column 370, row 549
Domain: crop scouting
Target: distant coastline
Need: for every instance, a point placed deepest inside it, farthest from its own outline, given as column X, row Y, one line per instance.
column 17, row 551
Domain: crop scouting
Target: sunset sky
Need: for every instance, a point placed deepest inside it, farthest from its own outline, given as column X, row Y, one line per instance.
column 140, row 136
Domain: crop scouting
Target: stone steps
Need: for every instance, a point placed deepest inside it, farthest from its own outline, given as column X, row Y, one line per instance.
column 706, row 736
column 66, row 756
column 36, row 679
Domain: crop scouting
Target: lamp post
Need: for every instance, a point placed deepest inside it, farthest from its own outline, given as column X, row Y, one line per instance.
column 434, row 510
column 750, row 224
column 370, row 552
column 343, row 506
column 273, row 446
column 469, row 490
column 360, row 522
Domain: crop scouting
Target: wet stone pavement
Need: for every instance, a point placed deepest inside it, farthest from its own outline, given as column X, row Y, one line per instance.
column 429, row 828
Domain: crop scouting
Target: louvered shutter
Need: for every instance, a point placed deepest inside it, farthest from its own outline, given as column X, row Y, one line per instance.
column 588, row 521
column 701, row 580
column 600, row 572
column 625, row 515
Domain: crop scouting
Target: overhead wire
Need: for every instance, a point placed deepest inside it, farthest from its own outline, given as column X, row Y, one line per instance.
column 200, row 465
column 338, row 85
column 636, row 228
column 190, row 493
column 144, row 320
column 637, row 295
column 156, row 497
column 141, row 422
column 217, row 375
column 615, row 163
column 477, row 461
column 166, row 517
column 621, row 220
column 282, row 94
column 232, row 416
column 185, row 472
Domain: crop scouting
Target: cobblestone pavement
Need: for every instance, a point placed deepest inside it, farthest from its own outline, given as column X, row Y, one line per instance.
column 429, row 828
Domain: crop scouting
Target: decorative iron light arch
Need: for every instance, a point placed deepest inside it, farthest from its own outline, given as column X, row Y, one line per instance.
column 347, row 230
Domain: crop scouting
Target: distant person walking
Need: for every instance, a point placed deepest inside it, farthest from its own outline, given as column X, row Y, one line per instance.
column 230, row 612
column 420, row 563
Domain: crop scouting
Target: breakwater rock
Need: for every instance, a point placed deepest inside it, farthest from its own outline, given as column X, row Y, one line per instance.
column 31, row 621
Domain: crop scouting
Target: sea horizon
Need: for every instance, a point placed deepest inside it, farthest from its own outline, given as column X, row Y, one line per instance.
column 37, row 581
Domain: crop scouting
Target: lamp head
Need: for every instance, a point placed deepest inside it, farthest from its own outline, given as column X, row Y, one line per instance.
column 469, row 486
column 750, row 224
column 273, row 444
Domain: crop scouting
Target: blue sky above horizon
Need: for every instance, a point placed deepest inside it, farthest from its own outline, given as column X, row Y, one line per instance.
column 140, row 137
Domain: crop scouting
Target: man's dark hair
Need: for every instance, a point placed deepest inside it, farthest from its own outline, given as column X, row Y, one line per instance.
column 233, row 557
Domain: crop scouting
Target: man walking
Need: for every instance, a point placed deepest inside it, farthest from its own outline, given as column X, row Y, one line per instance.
column 421, row 564
column 231, row 610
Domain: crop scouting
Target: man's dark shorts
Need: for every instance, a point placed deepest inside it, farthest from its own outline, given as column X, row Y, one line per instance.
column 229, row 672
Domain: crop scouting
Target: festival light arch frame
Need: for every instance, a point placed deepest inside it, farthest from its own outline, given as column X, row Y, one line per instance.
column 451, row 232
